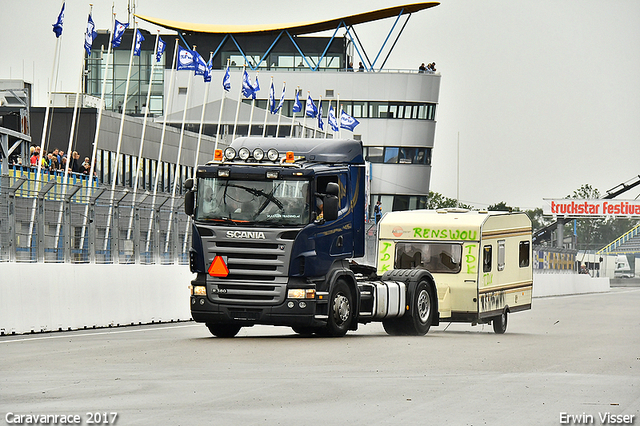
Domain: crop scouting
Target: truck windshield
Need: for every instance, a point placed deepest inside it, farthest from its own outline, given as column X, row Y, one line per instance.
column 434, row 257
column 276, row 202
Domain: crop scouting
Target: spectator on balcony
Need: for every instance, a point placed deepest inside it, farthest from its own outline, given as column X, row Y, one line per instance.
column 422, row 68
column 74, row 164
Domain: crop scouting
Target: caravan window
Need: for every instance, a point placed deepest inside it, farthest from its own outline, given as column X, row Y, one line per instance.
column 434, row 257
column 501, row 255
column 486, row 259
column 524, row 253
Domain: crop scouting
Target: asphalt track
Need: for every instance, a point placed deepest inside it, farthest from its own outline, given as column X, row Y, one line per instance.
column 569, row 356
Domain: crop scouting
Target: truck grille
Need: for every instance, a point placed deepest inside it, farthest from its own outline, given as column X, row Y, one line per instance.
column 257, row 269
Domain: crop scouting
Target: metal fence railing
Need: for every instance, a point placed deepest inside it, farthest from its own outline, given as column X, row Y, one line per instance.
column 82, row 222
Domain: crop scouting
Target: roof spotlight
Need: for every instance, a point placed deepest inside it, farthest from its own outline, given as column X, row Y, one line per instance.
column 258, row 154
column 244, row 153
column 229, row 153
column 272, row 154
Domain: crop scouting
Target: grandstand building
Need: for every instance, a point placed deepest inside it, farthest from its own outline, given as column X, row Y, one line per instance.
column 396, row 109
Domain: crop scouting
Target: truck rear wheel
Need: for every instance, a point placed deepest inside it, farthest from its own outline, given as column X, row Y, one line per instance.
column 340, row 311
column 500, row 323
column 419, row 323
column 223, row 330
column 393, row 327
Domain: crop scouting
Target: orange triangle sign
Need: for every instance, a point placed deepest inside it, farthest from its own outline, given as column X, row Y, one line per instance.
column 218, row 267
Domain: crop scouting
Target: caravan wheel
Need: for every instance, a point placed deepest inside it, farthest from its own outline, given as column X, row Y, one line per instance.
column 500, row 323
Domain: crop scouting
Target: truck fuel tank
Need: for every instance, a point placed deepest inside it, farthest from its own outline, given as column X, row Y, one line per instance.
column 382, row 299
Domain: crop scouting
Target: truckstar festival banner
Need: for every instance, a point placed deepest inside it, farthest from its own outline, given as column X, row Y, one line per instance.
column 592, row 208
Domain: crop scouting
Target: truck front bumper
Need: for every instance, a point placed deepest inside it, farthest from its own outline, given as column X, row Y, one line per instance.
column 293, row 312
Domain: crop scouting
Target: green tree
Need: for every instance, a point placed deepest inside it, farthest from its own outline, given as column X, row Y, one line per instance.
column 439, row 201
column 501, row 207
column 538, row 221
column 593, row 234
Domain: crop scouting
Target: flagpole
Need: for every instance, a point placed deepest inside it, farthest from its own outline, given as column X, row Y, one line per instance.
column 144, row 130
column 56, row 64
column 304, row 119
column 164, row 127
column 235, row 123
column 253, row 104
column 326, row 133
column 280, row 111
column 267, row 110
column 224, row 95
column 207, row 85
column 65, row 178
column 293, row 118
column 119, row 145
column 339, row 117
column 315, row 127
column 98, row 121
column 176, row 176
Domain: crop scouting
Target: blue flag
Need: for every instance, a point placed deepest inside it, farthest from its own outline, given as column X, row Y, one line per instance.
column 118, row 31
column 247, row 87
column 207, row 73
column 281, row 99
column 139, row 40
column 226, row 80
column 201, row 65
column 348, row 122
column 297, row 106
column 89, row 35
column 186, row 59
column 57, row 27
column 161, row 47
column 333, row 122
column 256, row 87
column 320, row 122
column 311, row 109
column 272, row 99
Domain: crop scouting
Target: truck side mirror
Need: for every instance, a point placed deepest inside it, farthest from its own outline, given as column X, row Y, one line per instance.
column 188, row 184
column 331, row 202
column 189, row 202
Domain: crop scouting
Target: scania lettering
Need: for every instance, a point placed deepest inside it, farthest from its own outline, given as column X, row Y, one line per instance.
column 275, row 222
column 246, row 235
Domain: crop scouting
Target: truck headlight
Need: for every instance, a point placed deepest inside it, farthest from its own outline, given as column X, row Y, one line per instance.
column 199, row 290
column 301, row 293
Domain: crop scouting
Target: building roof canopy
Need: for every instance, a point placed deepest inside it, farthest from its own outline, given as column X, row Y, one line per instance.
column 293, row 28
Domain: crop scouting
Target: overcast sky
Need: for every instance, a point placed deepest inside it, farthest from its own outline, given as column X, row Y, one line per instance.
column 544, row 95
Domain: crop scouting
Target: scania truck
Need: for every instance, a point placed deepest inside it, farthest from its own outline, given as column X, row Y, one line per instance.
column 274, row 224
column 277, row 222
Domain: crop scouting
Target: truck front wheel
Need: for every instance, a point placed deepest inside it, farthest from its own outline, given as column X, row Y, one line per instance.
column 340, row 310
column 223, row 330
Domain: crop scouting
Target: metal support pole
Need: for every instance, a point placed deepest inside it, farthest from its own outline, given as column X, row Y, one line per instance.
column 40, row 231
column 156, row 236
column 174, row 238
column 66, row 227
column 560, row 232
column 92, row 232
column 136, row 233
column 115, row 235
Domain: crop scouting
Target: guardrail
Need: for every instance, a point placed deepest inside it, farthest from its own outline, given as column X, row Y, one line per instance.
column 79, row 221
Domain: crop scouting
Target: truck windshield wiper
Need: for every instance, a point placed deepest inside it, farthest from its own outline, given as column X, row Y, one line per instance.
column 259, row 193
column 227, row 220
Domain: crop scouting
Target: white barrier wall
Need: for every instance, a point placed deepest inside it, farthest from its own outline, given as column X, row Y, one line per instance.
column 560, row 284
column 36, row 297
column 49, row 297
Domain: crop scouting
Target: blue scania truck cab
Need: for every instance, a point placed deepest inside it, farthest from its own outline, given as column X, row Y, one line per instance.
column 275, row 223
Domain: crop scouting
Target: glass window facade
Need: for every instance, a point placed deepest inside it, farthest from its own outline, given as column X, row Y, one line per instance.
column 117, row 78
